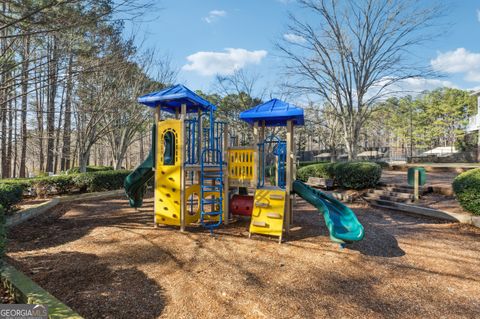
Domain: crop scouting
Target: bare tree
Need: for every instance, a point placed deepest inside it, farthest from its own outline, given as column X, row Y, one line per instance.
column 352, row 51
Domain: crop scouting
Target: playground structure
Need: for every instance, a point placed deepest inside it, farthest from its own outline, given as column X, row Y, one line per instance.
column 200, row 179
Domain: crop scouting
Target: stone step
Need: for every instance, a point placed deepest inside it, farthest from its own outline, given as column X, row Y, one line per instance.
column 390, row 193
column 405, row 189
column 373, row 196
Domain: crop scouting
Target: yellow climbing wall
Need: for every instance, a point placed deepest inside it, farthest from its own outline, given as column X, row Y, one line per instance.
column 167, row 177
column 268, row 212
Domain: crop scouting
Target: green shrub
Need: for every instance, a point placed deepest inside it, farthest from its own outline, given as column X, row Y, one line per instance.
column 10, row 194
column 357, row 175
column 59, row 185
column 100, row 181
column 467, row 190
column 25, row 183
column 323, row 170
column 76, row 170
column 382, row 164
column 307, row 163
column 3, row 233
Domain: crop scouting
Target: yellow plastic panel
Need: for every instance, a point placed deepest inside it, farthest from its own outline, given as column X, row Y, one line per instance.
column 167, row 177
column 240, row 164
column 192, row 211
column 268, row 212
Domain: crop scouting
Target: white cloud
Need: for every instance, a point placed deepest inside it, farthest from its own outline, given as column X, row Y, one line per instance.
column 459, row 61
column 410, row 86
column 293, row 38
column 222, row 63
column 214, row 15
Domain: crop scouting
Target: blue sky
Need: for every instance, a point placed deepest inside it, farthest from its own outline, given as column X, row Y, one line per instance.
column 217, row 36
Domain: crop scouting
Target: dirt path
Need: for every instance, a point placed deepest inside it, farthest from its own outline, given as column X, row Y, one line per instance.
column 107, row 261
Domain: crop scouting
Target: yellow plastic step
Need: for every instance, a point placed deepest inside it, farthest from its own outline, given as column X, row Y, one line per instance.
column 259, row 224
column 261, row 204
column 274, row 215
column 277, row 196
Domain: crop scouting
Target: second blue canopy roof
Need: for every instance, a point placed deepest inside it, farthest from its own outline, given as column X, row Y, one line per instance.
column 275, row 113
column 173, row 97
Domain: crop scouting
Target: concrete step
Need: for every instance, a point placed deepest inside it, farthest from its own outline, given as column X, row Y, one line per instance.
column 373, row 196
column 390, row 193
column 425, row 211
column 404, row 189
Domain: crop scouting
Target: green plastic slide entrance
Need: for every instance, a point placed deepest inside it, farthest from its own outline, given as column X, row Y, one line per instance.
column 341, row 221
column 135, row 182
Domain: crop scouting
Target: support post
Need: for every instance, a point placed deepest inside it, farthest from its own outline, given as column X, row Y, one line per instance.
column 256, row 159
column 157, row 116
column 182, row 168
column 416, row 185
column 226, row 185
column 288, row 177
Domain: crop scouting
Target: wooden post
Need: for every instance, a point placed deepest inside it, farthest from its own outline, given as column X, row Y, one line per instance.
column 261, row 139
column 256, row 155
column 226, row 186
column 182, row 168
column 157, row 117
column 416, row 185
column 288, row 177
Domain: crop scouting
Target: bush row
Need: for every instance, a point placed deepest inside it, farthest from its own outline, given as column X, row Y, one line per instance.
column 10, row 194
column 355, row 175
column 12, row 191
column 467, row 190
column 3, row 233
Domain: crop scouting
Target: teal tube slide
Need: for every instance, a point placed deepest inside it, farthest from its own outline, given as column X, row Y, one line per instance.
column 341, row 221
column 135, row 183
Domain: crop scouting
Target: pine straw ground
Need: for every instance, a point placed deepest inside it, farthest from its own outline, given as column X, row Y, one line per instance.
column 105, row 260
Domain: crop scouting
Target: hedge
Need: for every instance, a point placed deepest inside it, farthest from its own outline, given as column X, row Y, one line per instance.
column 90, row 169
column 3, row 233
column 356, row 175
column 54, row 185
column 11, row 190
column 100, row 181
column 467, row 190
column 323, row 170
column 10, row 194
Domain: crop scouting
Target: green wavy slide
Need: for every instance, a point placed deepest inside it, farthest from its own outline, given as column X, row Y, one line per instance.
column 341, row 221
column 135, row 183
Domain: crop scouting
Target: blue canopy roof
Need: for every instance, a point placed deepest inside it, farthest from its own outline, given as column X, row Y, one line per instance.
column 274, row 112
column 173, row 97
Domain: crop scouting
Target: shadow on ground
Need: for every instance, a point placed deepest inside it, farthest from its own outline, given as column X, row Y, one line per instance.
column 91, row 287
column 69, row 222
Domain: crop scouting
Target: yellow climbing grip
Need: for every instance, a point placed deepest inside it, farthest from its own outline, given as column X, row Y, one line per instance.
column 268, row 212
column 167, row 172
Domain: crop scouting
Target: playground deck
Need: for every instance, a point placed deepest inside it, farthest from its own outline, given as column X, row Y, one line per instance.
column 106, row 260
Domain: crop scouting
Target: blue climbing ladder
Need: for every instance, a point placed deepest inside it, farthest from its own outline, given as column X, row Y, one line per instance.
column 211, row 184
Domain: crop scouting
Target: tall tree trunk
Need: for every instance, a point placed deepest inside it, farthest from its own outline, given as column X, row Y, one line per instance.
column 39, row 115
column 52, row 93
column 15, row 144
column 65, row 161
column 25, row 66
column 10, row 140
